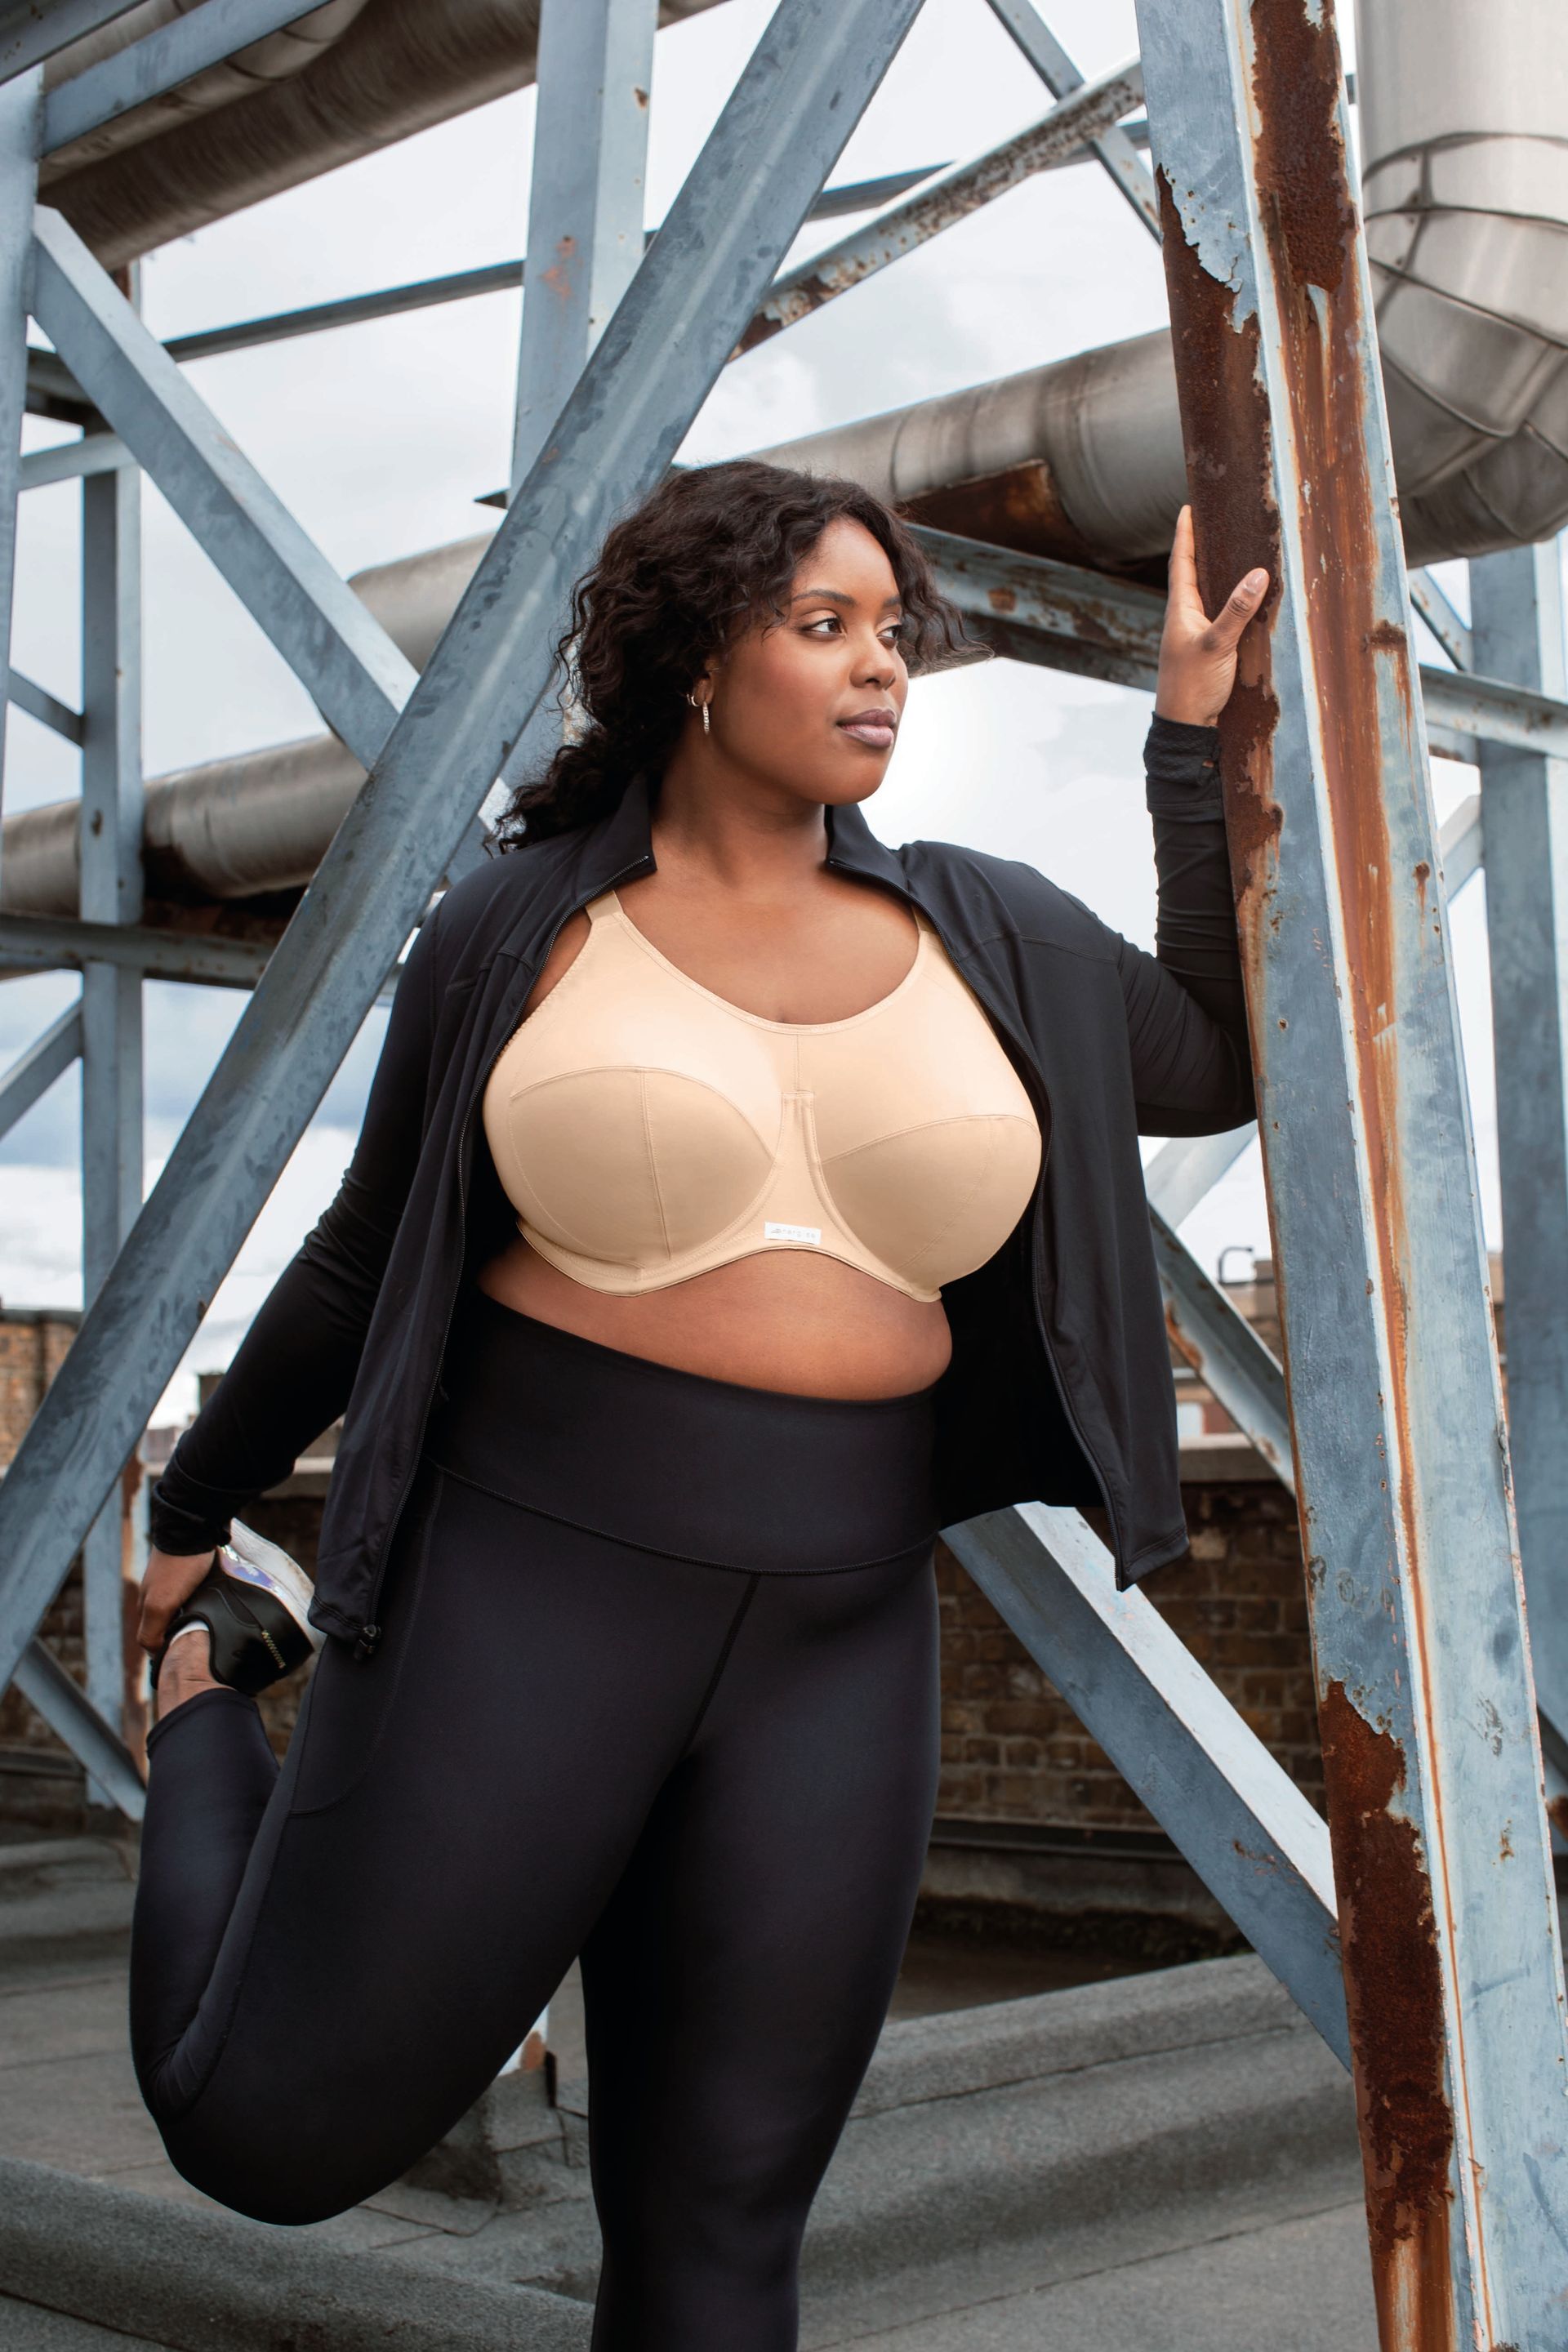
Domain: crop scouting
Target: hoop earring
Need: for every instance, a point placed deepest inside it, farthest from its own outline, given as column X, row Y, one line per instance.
column 702, row 707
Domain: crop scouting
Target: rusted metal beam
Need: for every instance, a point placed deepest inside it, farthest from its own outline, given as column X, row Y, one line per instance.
column 1094, row 108
column 1112, row 148
column 1453, row 1967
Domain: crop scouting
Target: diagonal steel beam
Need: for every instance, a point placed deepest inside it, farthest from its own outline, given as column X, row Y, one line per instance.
column 1459, row 847
column 71, row 1716
column 46, row 707
column 161, row 62
column 338, row 652
column 32, row 1074
column 1112, row 148
column 1432, row 1757
column 786, row 123
column 1223, row 1350
column 1451, row 632
column 1175, row 1738
column 1185, row 1171
column 941, row 202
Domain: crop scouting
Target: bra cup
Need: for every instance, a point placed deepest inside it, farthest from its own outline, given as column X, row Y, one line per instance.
column 937, row 1201
column 938, row 1053
column 627, row 1166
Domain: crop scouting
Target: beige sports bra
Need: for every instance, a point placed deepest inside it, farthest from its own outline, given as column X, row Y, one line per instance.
column 647, row 1130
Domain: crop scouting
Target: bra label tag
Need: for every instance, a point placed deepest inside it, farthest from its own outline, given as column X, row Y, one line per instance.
column 775, row 1233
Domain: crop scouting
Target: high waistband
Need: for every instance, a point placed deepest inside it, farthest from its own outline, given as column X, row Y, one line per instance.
column 673, row 1462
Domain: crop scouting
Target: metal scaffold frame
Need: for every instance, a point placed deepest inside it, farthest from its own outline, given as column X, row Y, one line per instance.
column 1417, row 1928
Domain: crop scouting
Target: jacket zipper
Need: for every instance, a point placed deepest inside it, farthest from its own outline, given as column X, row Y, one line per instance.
column 370, row 1630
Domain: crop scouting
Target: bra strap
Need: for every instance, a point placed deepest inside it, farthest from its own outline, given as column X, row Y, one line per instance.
column 606, row 903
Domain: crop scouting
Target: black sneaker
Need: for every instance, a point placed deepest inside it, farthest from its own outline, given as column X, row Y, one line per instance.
column 253, row 1602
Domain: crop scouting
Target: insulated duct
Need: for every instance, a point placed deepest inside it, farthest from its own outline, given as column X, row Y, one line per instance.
column 396, row 66
column 231, row 830
column 278, row 57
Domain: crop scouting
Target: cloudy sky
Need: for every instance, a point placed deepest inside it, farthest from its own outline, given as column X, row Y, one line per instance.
column 381, row 436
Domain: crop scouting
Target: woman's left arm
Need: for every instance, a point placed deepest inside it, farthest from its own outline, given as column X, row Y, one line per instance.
column 1187, row 1005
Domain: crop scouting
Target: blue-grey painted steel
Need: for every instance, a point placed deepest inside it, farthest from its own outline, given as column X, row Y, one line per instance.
column 1112, row 148
column 1174, row 1737
column 160, row 61
column 345, row 659
column 953, row 198
column 785, row 124
column 1516, row 603
column 32, row 30
column 1459, row 846
column 1451, row 631
column 95, row 453
column 71, row 1716
column 1432, row 1758
column 45, row 708
column 1185, row 1171
column 1037, row 610
column 586, row 204
column 19, row 105
column 462, row 284
column 57, row 943
column 1223, row 1350
column 111, row 1058
column 32, row 1074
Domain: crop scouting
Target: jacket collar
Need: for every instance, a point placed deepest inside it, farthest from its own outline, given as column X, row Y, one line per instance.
column 621, row 843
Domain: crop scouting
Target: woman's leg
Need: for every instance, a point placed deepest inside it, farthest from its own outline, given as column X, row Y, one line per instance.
column 739, row 1977
column 330, row 1964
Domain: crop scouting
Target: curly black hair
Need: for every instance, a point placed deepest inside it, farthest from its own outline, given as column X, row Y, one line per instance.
column 713, row 549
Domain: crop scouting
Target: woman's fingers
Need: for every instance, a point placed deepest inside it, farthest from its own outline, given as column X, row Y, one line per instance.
column 1238, row 609
column 171, row 1578
column 1183, row 571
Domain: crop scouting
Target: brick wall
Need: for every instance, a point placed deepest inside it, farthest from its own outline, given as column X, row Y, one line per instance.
column 1013, row 1750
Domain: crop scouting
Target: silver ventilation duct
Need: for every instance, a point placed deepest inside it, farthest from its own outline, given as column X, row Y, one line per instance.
column 394, row 67
column 1464, row 127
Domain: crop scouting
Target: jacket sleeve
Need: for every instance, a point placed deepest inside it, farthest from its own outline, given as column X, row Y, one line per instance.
column 1187, row 1005
column 293, row 1372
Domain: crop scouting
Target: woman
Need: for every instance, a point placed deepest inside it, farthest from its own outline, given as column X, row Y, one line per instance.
column 738, row 1201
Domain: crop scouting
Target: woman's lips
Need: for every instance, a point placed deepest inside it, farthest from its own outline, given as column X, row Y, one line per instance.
column 872, row 728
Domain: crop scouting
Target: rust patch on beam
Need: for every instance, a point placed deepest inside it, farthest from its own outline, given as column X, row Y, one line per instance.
column 1019, row 508
column 1395, row 1994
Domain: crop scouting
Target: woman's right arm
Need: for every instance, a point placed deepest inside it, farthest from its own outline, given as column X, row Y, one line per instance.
column 291, row 1374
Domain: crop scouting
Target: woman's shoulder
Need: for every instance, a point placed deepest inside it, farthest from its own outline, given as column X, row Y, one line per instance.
column 989, row 896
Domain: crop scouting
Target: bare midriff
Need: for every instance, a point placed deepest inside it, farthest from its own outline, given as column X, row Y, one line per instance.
column 781, row 1319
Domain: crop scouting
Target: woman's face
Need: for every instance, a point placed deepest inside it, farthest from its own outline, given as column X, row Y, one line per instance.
column 813, row 703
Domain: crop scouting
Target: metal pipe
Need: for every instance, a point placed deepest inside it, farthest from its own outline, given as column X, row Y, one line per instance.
column 169, row 60
column 398, row 67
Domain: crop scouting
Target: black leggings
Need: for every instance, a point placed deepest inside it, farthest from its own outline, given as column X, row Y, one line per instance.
column 658, row 1686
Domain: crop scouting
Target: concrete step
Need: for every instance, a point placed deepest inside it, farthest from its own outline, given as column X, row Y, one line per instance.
column 993, row 2152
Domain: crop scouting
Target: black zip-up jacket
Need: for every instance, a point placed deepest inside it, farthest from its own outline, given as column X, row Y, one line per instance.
column 1059, row 1387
